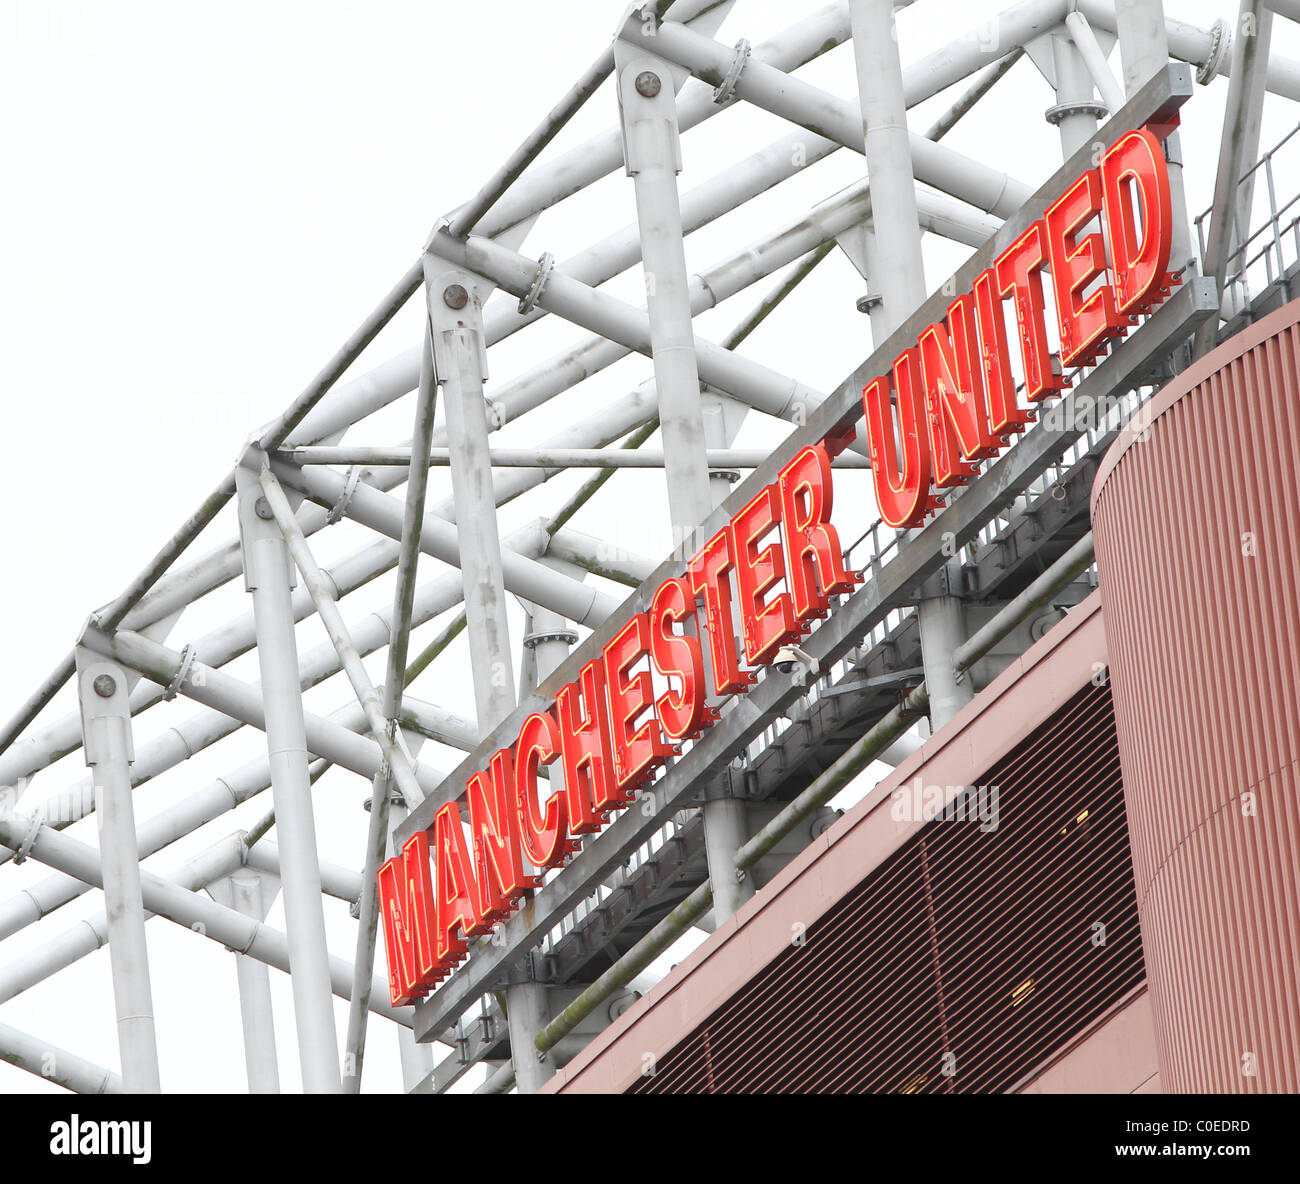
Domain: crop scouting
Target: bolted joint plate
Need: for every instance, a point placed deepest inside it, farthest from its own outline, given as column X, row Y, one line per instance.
column 455, row 326
column 258, row 536
column 102, row 712
column 648, row 121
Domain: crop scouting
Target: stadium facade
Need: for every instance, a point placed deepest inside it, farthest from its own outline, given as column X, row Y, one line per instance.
column 1123, row 918
column 1070, row 630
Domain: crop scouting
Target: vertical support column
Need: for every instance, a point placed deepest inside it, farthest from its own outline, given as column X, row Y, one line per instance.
column 455, row 314
column 726, row 820
column 894, row 251
column 1238, row 148
column 894, row 258
column 1143, row 50
column 1076, row 112
column 1255, row 37
column 549, row 637
column 460, row 365
column 268, row 576
column 648, row 109
column 378, row 831
column 106, row 729
column 416, row 1059
column 255, row 992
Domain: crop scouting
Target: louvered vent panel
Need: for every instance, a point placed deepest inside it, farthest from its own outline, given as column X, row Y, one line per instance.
column 963, row 960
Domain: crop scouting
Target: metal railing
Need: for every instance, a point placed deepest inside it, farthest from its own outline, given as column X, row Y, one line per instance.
column 1271, row 251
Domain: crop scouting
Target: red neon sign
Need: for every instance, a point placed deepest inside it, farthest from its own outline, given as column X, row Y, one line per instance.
column 952, row 400
column 764, row 578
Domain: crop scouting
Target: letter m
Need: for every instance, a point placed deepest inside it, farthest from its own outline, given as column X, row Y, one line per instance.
column 406, row 909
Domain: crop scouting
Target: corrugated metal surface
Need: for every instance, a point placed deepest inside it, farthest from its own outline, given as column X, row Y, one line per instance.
column 1197, row 528
column 981, row 945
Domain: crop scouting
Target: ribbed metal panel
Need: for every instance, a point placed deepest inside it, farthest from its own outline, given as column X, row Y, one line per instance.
column 1197, row 529
column 978, row 945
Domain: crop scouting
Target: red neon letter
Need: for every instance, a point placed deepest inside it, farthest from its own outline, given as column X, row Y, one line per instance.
column 637, row 750
column 1020, row 272
column 453, row 902
column 902, row 491
column 1084, row 324
column 682, row 714
column 768, row 626
column 543, row 830
column 954, row 395
column 406, row 908
column 584, row 745
column 1005, row 416
column 1139, row 267
column 816, row 563
column 709, row 572
column 494, row 832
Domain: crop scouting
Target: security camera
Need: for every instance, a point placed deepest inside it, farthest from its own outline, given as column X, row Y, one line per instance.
column 790, row 656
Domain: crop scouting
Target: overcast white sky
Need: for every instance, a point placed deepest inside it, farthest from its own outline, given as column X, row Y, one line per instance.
column 200, row 203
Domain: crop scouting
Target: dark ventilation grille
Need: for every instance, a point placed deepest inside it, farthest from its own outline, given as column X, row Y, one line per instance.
column 964, row 960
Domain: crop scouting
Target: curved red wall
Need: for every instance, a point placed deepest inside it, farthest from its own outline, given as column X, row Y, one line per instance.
column 1196, row 519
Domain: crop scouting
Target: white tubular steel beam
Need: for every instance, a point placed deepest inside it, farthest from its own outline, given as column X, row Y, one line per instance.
column 52, row 1063
column 469, row 215
column 454, row 298
column 826, row 115
column 653, row 160
column 1238, row 147
column 1076, row 111
column 102, row 690
column 267, row 577
column 635, row 409
column 601, row 558
column 753, row 386
column 342, row 883
column 649, row 113
column 328, row 609
column 89, row 934
column 525, row 577
column 55, row 890
column 440, row 724
column 538, row 458
column 381, row 790
column 709, row 200
column 574, row 170
column 1200, row 47
column 236, row 637
column 243, row 702
column 1094, row 57
column 254, row 983
column 178, row 900
column 370, row 633
column 609, row 317
column 207, row 726
column 980, row 46
column 216, row 647
column 880, row 128
column 460, row 356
